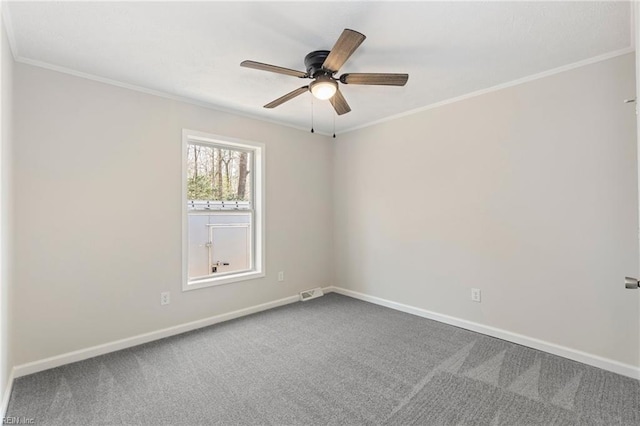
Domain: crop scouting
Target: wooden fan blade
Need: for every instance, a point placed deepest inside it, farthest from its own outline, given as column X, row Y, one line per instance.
column 345, row 46
column 287, row 97
column 375, row 79
column 339, row 103
column 273, row 68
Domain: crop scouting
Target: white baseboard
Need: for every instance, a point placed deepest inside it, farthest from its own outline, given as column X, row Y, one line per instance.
column 4, row 405
column 82, row 354
column 552, row 348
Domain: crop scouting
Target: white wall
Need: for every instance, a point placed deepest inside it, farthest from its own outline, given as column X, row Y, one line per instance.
column 6, row 228
column 98, row 213
column 636, row 33
column 528, row 193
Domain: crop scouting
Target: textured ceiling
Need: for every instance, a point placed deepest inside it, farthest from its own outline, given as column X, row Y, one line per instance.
column 193, row 50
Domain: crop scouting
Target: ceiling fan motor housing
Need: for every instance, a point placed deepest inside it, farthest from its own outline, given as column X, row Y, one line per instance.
column 314, row 60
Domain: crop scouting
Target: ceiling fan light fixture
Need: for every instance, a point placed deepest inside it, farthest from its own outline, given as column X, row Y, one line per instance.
column 323, row 87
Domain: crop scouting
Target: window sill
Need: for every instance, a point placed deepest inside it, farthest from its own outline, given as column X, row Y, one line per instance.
column 215, row 281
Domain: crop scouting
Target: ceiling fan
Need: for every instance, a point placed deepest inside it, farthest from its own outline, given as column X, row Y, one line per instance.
column 321, row 66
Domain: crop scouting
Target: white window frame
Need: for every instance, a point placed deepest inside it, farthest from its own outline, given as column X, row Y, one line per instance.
column 257, row 187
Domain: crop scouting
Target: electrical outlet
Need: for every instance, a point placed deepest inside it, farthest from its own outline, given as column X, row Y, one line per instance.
column 165, row 298
column 475, row 294
column 281, row 276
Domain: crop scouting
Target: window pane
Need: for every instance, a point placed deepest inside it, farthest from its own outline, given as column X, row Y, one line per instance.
column 218, row 173
column 219, row 243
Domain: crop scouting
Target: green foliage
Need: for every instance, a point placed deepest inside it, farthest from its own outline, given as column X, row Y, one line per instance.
column 199, row 188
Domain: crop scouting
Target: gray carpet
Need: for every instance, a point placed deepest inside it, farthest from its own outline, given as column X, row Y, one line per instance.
column 330, row 361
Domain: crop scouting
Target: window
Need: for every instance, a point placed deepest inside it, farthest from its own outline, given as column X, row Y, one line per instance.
column 223, row 181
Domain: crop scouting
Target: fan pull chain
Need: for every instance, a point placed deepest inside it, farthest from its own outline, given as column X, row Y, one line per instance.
column 312, row 114
column 334, row 125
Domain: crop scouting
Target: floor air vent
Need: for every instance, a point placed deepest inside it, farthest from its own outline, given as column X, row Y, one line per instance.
column 311, row 294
